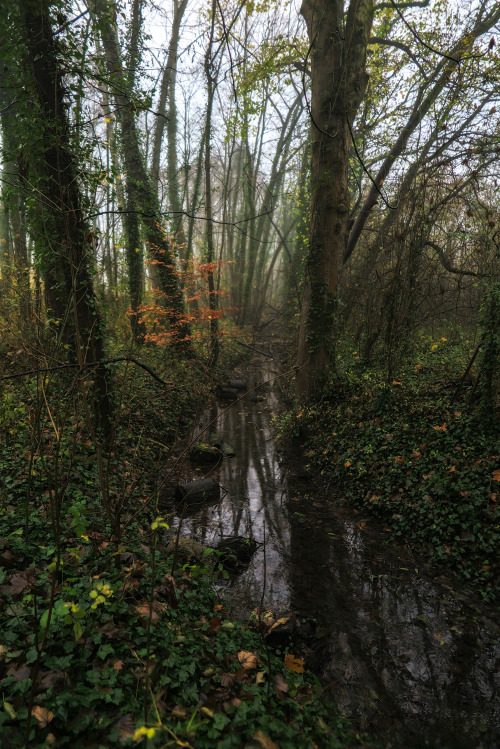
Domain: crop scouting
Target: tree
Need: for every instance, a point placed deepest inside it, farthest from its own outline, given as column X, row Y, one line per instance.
column 142, row 196
column 337, row 222
column 338, row 83
column 50, row 179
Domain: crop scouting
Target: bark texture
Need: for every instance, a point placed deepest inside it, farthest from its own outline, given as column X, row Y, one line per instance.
column 339, row 82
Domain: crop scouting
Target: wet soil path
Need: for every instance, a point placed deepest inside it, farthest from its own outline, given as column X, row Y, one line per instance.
column 407, row 655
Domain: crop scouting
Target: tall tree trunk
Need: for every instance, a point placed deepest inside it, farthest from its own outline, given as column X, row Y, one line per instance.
column 63, row 236
column 141, row 194
column 15, row 247
column 211, row 79
column 167, row 99
column 338, row 85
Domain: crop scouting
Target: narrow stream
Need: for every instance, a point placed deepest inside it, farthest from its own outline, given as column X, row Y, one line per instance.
column 405, row 654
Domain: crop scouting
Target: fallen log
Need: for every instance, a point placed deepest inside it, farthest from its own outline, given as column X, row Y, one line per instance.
column 192, row 495
column 205, row 453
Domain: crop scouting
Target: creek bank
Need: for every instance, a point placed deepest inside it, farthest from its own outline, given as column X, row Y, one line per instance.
column 402, row 649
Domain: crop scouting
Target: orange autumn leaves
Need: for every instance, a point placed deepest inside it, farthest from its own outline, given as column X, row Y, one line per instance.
column 249, row 661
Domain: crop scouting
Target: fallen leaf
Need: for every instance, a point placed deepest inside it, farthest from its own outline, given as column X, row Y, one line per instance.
column 51, row 678
column 248, row 660
column 259, row 677
column 118, row 665
column 264, row 741
column 227, row 680
column 126, row 726
column 9, row 709
column 496, row 475
column 294, row 664
column 159, row 608
column 280, row 685
column 43, row 715
column 179, row 711
column 441, row 428
column 18, row 582
column 19, row 673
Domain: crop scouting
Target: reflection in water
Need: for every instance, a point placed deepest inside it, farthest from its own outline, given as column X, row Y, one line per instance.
column 407, row 658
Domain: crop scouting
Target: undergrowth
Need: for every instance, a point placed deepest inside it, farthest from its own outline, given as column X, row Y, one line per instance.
column 416, row 450
column 102, row 643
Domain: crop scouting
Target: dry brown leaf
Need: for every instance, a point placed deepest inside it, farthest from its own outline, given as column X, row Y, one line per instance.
column 20, row 673
column 496, row 475
column 259, row 677
column 227, row 680
column 144, row 609
column 264, row 741
column 118, row 665
column 42, row 715
column 280, row 622
column 179, row 711
column 51, row 678
column 441, row 428
column 280, row 685
column 294, row 664
column 126, row 725
column 18, row 582
column 248, row 660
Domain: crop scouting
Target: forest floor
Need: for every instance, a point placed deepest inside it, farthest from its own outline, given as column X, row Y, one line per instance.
column 419, row 449
column 105, row 642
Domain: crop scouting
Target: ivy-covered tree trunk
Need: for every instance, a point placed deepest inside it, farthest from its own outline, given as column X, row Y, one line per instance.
column 141, row 193
column 168, row 103
column 339, row 81
column 490, row 355
column 14, row 249
column 62, row 237
column 211, row 79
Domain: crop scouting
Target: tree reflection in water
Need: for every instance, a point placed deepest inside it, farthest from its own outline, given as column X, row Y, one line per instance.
column 403, row 655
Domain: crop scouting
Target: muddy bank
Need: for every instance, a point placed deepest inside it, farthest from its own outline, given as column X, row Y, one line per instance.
column 404, row 652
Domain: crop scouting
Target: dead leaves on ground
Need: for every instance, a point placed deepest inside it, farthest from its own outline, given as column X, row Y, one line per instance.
column 264, row 741
column 248, row 660
column 294, row 664
column 42, row 715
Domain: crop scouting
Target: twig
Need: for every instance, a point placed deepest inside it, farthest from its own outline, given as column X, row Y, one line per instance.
column 89, row 365
column 262, row 353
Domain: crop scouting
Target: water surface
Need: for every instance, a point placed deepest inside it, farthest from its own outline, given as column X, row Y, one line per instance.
column 407, row 655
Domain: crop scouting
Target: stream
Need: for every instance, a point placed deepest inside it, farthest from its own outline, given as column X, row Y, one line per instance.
column 406, row 654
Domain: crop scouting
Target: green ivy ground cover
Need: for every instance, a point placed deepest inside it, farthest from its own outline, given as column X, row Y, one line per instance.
column 429, row 467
